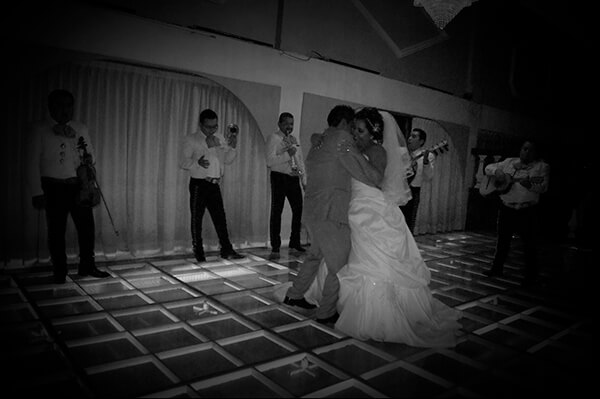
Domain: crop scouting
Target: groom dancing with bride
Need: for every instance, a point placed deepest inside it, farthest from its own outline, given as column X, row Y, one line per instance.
column 329, row 170
column 363, row 262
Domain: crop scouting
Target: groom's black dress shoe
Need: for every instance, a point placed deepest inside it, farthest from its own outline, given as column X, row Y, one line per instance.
column 302, row 303
column 330, row 320
column 94, row 272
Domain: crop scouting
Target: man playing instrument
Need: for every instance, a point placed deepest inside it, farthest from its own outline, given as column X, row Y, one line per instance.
column 518, row 208
column 422, row 170
column 286, row 165
column 204, row 155
column 54, row 159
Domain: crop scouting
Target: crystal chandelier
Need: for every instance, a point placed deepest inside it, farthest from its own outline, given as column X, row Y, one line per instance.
column 442, row 11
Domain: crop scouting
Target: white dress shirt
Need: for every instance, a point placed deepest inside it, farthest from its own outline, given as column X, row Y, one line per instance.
column 53, row 155
column 278, row 160
column 423, row 172
column 194, row 146
column 518, row 196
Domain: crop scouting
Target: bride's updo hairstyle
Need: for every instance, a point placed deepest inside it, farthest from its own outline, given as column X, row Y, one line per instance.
column 373, row 121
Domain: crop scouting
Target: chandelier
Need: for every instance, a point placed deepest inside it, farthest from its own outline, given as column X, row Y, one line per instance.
column 442, row 11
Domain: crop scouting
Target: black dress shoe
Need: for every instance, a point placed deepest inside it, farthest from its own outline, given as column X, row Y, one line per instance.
column 200, row 258
column 59, row 278
column 330, row 320
column 275, row 250
column 302, row 303
column 298, row 248
column 232, row 255
column 94, row 273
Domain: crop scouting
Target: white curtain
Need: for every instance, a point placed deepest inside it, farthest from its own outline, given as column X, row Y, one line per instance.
column 442, row 206
column 137, row 117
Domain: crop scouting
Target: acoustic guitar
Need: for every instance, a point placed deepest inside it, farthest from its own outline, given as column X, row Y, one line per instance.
column 491, row 184
column 437, row 149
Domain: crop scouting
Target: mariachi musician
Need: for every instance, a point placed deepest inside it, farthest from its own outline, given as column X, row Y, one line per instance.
column 204, row 155
column 520, row 182
column 53, row 178
column 421, row 170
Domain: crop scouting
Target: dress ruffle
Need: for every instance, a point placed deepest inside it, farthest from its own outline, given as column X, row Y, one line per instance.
column 384, row 293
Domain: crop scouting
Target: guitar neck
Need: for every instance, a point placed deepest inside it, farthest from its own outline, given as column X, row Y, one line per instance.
column 420, row 155
column 440, row 146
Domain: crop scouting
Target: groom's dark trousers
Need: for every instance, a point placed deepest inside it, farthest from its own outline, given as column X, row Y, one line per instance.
column 335, row 253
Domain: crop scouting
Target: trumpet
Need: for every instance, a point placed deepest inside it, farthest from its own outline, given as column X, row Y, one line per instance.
column 294, row 163
column 232, row 130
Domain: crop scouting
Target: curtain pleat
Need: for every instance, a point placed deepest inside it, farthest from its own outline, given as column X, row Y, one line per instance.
column 137, row 118
column 441, row 207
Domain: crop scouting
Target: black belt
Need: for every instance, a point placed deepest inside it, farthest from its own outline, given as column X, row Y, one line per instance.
column 285, row 174
column 517, row 206
column 213, row 180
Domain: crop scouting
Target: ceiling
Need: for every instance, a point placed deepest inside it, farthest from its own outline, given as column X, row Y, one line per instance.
column 518, row 55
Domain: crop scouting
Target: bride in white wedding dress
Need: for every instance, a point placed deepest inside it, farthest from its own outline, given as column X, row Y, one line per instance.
column 384, row 293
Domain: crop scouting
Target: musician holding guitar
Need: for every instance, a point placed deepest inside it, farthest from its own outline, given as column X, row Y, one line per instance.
column 422, row 170
column 54, row 158
column 519, row 181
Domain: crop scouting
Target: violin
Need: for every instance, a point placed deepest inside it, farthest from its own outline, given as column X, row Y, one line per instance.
column 89, row 191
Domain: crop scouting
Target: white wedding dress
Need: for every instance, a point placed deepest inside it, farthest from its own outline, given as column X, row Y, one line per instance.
column 384, row 293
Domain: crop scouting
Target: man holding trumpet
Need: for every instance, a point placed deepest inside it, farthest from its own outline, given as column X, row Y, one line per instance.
column 286, row 164
column 204, row 154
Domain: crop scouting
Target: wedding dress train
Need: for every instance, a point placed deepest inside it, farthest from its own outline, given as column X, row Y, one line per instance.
column 384, row 293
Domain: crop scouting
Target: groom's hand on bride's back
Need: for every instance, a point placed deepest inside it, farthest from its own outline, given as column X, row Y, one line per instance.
column 316, row 140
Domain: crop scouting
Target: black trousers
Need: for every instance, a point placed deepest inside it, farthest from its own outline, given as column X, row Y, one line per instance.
column 206, row 195
column 60, row 202
column 410, row 209
column 285, row 186
column 520, row 221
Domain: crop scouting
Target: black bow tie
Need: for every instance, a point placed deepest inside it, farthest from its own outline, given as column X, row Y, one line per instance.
column 64, row 130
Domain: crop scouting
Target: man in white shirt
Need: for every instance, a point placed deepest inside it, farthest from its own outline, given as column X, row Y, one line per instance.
column 286, row 165
column 422, row 170
column 526, row 177
column 204, row 154
column 54, row 156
